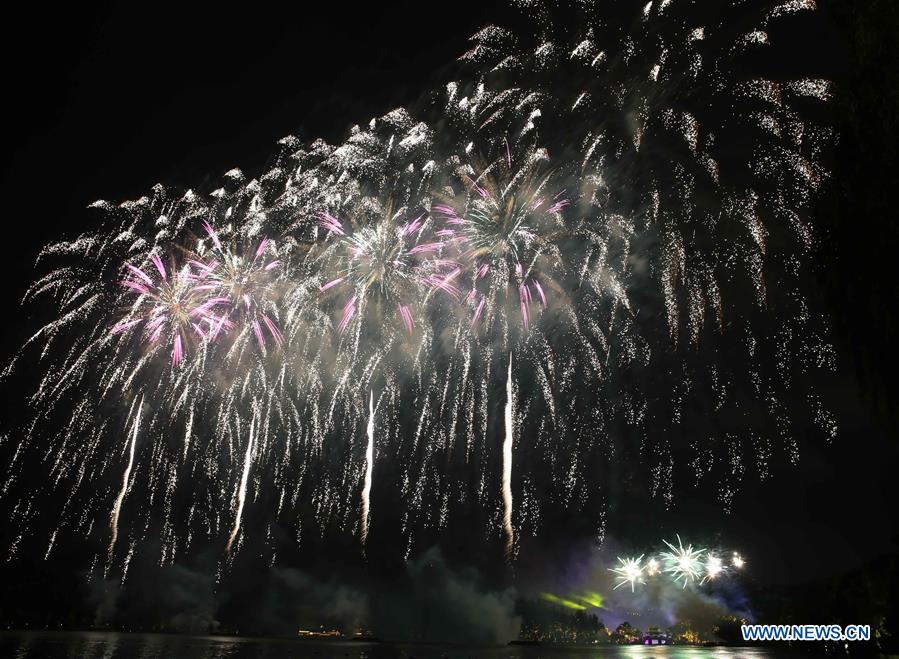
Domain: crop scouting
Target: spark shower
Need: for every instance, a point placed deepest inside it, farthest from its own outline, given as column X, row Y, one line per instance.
column 584, row 256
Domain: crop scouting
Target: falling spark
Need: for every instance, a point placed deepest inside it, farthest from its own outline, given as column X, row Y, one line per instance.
column 369, row 459
column 126, row 477
column 242, row 489
column 507, row 466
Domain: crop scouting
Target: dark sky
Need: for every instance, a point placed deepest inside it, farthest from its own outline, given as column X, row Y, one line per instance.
column 102, row 100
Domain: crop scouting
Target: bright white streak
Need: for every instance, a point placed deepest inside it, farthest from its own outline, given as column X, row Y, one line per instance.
column 369, row 458
column 507, row 467
column 242, row 490
column 117, row 506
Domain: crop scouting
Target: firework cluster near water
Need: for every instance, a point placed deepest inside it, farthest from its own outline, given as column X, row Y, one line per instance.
column 582, row 261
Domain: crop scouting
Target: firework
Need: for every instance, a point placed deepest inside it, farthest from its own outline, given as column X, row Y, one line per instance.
column 494, row 292
column 387, row 267
column 683, row 563
column 505, row 233
column 713, row 567
column 117, row 506
column 629, row 571
column 171, row 309
column 386, row 263
column 245, row 283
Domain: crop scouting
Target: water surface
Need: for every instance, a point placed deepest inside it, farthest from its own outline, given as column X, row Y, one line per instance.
column 112, row 645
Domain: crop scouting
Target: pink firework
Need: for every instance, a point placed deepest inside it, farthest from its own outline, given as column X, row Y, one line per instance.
column 387, row 262
column 247, row 284
column 504, row 232
column 172, row 308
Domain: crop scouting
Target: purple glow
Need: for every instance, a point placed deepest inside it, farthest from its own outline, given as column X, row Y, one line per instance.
column 331, row 223
column 407, row 317
column 212, row 234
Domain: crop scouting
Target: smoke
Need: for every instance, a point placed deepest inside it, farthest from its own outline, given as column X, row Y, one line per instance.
column 290, row 599
column 440, row 602
column 431, row 601
column 664, row 603
column 172, row 597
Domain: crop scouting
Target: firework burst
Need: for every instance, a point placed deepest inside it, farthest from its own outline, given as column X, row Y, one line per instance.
column 506, row 230
column 714, row 568
column 171, row 310
column 389, row 269
column 384, row 264
column 629, row 571
column 246, row 283
column 683, row 563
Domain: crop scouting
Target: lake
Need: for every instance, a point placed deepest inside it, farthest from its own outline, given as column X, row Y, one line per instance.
column 112, row 645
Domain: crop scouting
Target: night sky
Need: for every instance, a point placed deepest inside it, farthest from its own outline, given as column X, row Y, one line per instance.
column 103, row 101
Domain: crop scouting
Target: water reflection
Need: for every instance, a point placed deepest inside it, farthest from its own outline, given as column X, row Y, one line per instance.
column 103, row 645
column 674, row 652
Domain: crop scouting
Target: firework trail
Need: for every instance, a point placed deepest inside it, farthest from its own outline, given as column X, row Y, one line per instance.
column 507, row 464
column 241, row 493
column 369, row 465
column 117, row 506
